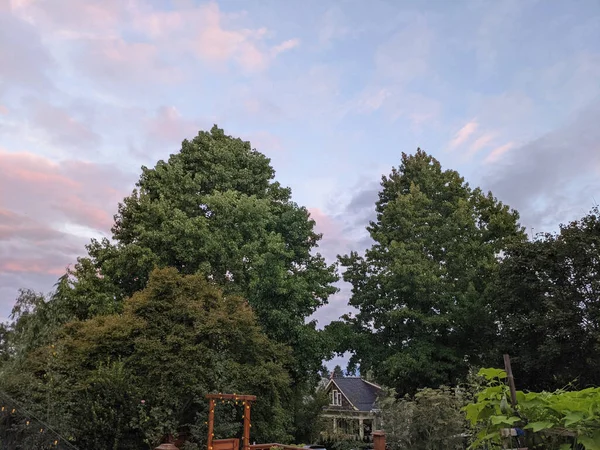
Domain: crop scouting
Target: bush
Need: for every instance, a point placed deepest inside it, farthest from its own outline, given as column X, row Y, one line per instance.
column 432, row 419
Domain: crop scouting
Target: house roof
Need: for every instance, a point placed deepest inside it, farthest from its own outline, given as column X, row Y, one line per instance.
column 359, row 392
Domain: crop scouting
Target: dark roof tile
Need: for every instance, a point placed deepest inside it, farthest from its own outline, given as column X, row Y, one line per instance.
column 362, row 394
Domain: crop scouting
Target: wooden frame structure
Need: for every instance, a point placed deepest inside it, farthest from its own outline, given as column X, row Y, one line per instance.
column 233, row 444
column 229, row 444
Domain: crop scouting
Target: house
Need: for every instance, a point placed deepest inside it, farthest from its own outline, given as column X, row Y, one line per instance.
column 352, row 413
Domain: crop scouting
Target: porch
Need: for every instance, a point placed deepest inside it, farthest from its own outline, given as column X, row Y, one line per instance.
column 349, row 426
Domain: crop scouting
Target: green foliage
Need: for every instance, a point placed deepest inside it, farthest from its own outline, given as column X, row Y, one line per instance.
column 546, row 301
column 420, row 289
column 432, row 419
column 307, row 421
column 123, row 381
column 214, row 208
column 547, row 416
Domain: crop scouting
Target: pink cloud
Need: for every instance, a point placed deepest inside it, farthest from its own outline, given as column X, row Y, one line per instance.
column 463, row 134
column 31, row 266
column 48, row 211
column 333, row 242
column 324, row 223
column 67, row 192
column 211, row 35
column 217, row 43
column 481, row 142
column 201, row 30
column 40, row 173
column 495, row 154
column 3, row 110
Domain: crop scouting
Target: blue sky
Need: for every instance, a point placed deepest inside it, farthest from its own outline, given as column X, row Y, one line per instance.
column 505, row 92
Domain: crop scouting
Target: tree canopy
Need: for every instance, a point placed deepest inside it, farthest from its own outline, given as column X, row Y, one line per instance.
column 546, row 300
column 214, row 208
column 420, row 289
column 212, row 274
column 122, row 380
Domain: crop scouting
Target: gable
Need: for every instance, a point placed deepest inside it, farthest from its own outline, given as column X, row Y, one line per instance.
column 361, row 394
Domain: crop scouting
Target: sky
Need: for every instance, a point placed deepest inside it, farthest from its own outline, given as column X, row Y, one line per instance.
column 507, row 92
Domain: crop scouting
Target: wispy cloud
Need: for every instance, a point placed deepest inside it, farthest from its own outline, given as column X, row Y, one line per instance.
column 481, row 142
column 496, row 153
column 463, row 134
column 285, row 46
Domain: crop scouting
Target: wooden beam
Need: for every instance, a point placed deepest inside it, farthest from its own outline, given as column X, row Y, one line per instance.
column 511, row 381
column 246, row 398
column 211, row 423
column 247, row 425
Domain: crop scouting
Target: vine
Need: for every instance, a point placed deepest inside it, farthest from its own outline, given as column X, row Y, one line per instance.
column 551, row 420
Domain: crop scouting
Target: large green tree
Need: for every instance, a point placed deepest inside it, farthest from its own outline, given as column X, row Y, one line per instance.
column 215, row 208
column 123, row 381
column 546, row 299
column 212, row 209
column 420, row 289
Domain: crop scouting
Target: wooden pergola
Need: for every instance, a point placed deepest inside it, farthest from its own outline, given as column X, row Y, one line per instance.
column 233, row 444
column 229, row 444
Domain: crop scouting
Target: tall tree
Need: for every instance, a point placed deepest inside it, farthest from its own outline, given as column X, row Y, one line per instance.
column 214, row 208
column 546, row 299
column 419, row 290
column 338, row 372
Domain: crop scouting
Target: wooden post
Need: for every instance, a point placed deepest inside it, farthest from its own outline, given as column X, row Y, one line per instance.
column 378, row 440
column 211, row 422
column 246, row 438
column 511, row 381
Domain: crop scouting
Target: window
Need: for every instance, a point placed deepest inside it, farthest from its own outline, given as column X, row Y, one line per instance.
column 336, row 398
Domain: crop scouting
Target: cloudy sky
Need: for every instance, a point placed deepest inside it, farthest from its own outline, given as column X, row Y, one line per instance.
column 505, row 92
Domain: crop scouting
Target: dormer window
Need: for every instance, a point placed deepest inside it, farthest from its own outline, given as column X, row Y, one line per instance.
column 336, row 398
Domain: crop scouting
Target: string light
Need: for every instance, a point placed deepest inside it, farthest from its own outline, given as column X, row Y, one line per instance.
column 43, row 429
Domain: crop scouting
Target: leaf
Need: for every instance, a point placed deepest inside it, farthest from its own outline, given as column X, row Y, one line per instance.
column 539, row 426
column 497, row 420
column 491, row 373
column 573, row 417
column 590, row 442
column 472, row 411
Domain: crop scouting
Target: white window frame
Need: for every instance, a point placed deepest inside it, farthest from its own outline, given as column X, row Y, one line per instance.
column 336, row 398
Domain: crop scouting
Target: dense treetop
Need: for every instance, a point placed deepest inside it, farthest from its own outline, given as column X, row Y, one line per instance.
column 420, row 289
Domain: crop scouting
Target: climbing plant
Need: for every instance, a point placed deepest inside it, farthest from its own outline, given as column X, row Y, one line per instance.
column 551, row 420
